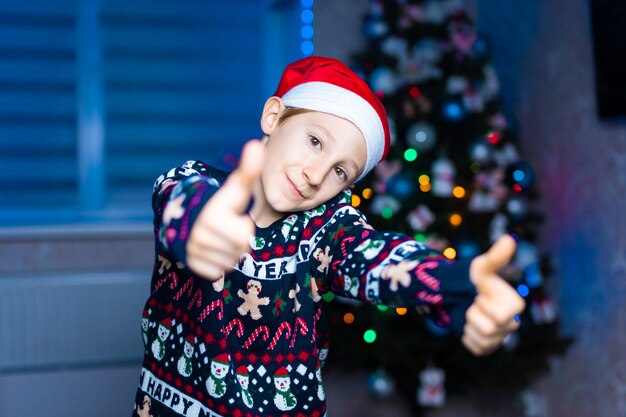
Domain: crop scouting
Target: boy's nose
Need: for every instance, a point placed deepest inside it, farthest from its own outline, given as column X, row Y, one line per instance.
column 314, row 174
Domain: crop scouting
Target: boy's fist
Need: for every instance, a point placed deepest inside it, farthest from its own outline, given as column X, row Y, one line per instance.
column 222, row 230
column 492, row 316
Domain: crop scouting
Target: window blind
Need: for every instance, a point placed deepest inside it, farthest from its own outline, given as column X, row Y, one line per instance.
column 168, row 82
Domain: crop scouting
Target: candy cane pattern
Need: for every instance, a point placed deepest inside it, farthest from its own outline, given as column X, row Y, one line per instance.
column 318, row 313
column 300, row 326
column 174, row 278
column 348, row 239
column 434, row 299
column 255, row 334
column 234, row 322
column 283, row 328
column 197, row 297
column 214, row 304
column 425, row 278
column 171, row 275
column 186, row 287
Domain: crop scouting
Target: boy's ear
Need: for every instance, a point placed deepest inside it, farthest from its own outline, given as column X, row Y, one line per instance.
column 272, row 110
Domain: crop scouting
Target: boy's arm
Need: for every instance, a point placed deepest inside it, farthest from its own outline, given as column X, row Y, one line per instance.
column 390, row 268
column 203, row 223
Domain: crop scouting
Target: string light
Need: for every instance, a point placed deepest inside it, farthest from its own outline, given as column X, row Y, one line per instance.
column 328, row 296
column 348, row 318
column 523, row 290
column 386, row 213
column 369, row 336
column 458, row 192
column 414, row 92
column 401, row 311
column 425, row 187
column 307, row 47
column 420, row 237
column 455, row 219
column 423, row 179
column 381, row 307
column 493, row 137
column 449, row 253
column 367, row 193
column 410, row 155
column 356, row 200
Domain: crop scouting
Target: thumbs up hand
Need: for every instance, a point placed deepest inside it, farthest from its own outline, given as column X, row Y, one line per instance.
column 222, row 230
column 493, row 314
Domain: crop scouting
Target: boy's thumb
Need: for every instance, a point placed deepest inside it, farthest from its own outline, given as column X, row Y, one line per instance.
column 497, row 257
column 237, row 189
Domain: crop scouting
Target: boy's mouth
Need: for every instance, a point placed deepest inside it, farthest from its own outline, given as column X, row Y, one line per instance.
column 294, row 188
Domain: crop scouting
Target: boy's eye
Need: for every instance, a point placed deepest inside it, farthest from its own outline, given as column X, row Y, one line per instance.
column 317, row 144
column 341, row 174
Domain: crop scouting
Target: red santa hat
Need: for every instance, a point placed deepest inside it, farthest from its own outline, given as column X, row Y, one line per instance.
column 281, row 373
column 191, row 339
column 326, row 85
column 222, row 357
column 167, row 323
column 242, row 370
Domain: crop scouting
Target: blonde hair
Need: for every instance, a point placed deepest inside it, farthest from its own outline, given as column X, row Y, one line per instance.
column 290, row 112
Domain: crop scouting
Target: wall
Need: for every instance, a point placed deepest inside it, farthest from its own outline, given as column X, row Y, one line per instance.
column 543, row 56
column 580, row 161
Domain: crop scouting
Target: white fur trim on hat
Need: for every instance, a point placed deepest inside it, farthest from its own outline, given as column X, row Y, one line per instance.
column 338, row 101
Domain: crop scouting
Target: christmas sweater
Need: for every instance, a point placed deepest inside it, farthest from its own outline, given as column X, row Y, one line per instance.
column 253, row 343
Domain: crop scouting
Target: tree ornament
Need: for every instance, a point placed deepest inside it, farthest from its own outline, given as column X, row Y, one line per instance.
column 385, row 205
column 481, row 151
column 543, row 310
column 481, row 50
column 467, row 248
column 401, row 186
column 517, row 206
column 522, row 174
column 383, row 79
column 380, row 384
column 490, row 88
column 396, row 47
column 453, row 109
column 497, row 226
column 420, row 218
column 443, row 177
column 482, row 201
column 506, row 156
column 511, row 341
column 421, row 136
column 431, row 392
column 374, row 28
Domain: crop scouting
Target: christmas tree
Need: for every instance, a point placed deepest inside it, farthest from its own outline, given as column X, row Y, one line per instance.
column 454, row 179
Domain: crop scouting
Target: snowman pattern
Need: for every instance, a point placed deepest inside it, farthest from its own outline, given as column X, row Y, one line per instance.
column 284, row 400
column 145, row 324
column 158, row 345
column 370, row 248
column 215, row 383
column 184, row 362
column 244, row 381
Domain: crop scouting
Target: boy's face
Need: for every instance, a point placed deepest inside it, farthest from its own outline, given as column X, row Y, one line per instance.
column 310, row 158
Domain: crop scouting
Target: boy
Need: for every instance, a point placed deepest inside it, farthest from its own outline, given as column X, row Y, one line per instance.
column 235, row 323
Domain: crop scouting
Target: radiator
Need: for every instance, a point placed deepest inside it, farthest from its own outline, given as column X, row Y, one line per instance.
column 67, row 320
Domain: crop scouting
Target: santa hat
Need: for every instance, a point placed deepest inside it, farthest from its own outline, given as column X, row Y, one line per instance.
column 222, row 357
column 281, row 373
column 326, row 85
column 191, row 339
column 242, row 370
column 167, row 323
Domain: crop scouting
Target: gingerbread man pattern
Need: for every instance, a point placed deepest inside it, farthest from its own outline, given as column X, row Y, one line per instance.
column 252, row 301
